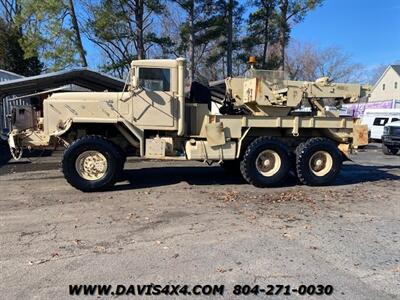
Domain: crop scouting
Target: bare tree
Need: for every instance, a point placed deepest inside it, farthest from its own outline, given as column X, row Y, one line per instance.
column 10, row 9
column 376, row 73
column 123, row 30
column 308, row 62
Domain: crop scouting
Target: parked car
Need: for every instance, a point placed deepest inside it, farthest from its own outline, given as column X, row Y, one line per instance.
column 376, row 119
column 391, row 138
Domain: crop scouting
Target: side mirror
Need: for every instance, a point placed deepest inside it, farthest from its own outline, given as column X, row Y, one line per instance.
column 134, row 78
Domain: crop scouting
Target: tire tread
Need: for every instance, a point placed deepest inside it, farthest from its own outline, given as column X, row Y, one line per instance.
column 91, row 139
column 246, row 172
column 301, row 150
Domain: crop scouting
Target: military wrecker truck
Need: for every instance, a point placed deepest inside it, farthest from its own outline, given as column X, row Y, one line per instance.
column 267, row 128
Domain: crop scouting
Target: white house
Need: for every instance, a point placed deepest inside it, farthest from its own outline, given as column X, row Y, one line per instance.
column 387, row 88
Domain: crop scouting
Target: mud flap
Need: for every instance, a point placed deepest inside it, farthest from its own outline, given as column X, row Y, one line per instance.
column 360, row 135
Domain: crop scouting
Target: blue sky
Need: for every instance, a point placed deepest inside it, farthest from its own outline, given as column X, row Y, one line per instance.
column 368, row 30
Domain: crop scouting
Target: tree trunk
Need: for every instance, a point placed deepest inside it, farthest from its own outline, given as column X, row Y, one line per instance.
column 139, row 12
column 266, row 41
column 283, row 31
column 192, row 70
column 230, row 39
column 78, row 39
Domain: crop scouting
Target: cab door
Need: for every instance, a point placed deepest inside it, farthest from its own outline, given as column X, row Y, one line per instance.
column 155, row 104
column 377, row 127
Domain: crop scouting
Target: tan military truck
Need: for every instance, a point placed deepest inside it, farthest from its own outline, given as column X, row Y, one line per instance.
column 267, row 127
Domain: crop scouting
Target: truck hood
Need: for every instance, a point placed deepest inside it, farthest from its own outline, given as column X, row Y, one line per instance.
column 393, row 124
column 90, row 96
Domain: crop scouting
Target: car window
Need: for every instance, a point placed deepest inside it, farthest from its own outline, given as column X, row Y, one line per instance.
column 394, row 119
column 380, row 121
column 155, row 79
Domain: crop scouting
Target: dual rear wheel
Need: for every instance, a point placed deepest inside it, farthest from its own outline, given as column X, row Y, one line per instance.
column 93, row 163
column 267, row 162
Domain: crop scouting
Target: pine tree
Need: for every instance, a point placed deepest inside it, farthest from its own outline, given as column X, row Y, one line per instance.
column 12, row 55
column 262, row 33
column 228, row 23
column 269, row 28
column 208, row 36
column 123, row 30
column 290, row 12
column 51, row 27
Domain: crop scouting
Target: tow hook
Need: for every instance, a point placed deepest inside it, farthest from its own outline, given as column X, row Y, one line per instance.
column 16, row 152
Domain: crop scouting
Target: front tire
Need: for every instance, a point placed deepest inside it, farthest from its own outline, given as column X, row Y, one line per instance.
column 265, row 163
column 389, row 151
column 91, row 163
column 318, row 162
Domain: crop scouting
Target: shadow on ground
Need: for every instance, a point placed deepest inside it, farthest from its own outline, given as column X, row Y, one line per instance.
column 5, row 156
column 163, row 176
column 8, row 166
column 352, row 174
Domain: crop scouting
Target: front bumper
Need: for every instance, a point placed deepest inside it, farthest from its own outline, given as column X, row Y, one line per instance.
column 11, row 141
column 391, row 140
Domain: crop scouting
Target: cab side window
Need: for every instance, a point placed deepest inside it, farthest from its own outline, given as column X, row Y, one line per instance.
column 155, row 79
column 380, row 121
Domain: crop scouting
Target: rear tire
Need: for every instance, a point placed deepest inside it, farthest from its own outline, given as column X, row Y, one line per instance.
column 389, row 150
column 318, row 162
column 92, row 163
column 265, row 163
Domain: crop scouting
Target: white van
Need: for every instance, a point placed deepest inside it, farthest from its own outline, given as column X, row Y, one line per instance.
column 376, row 119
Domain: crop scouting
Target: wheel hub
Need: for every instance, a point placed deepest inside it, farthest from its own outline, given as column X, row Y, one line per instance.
column 321, row 163
column 268, row 163
column 91, row 165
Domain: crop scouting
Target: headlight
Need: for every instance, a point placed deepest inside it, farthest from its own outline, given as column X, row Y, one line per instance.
column 386, row 130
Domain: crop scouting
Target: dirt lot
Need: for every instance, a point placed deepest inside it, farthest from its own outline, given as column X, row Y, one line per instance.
column 186, row 223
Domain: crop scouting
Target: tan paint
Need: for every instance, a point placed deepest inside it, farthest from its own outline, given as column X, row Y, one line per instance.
column 204, row 136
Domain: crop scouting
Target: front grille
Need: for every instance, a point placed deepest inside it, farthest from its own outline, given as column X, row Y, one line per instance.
column 394, row 131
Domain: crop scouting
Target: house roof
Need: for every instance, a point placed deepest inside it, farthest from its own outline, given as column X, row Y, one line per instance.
column 396, row 68
column 83, row 77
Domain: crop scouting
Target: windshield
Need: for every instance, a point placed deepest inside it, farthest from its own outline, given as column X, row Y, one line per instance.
column 155, row 79
column 271, row 77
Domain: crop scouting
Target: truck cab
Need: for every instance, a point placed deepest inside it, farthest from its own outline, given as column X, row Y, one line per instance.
column 391, row 138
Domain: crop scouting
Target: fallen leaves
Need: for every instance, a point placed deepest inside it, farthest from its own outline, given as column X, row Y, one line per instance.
column 396, row 270
column 53, row 255
column 38, row 262
column 77, row 242
column 99, row 249
column 222, row 270
column 228, row 196
column 290, row 196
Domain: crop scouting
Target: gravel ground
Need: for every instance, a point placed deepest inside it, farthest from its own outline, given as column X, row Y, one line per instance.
column 186, row 223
